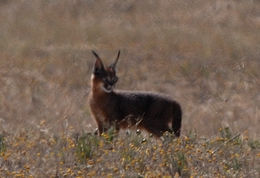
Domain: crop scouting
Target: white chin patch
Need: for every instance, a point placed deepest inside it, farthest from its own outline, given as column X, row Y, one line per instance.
column 107, row 90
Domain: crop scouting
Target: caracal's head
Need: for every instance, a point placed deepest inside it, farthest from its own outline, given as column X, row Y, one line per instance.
column 104, row 78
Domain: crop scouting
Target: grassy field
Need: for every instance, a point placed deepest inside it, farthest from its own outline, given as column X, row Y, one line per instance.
column 205, row 54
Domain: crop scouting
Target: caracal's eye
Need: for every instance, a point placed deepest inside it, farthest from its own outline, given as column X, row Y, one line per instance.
column 98, row 72
column 115, row 79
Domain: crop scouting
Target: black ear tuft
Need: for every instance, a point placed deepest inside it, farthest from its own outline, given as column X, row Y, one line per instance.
column 98, row 64
column 113, row 66
column 95, row 54
column 118, row 54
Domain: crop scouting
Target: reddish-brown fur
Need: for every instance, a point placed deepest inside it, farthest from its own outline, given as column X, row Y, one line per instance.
column 155, row 113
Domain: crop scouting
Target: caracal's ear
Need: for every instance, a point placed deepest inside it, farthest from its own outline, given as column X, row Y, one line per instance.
column 98, row 64
column 113, row 66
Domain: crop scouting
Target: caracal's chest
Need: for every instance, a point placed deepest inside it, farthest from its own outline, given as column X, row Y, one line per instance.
column 100, row 107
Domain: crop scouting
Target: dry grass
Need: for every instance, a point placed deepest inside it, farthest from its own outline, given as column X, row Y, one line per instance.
column 132, row 155
column 204, row 54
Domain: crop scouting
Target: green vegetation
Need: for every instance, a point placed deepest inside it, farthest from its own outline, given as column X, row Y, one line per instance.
column 2, row 144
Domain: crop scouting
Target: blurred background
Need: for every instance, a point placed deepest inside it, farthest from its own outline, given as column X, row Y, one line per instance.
column 205, row 54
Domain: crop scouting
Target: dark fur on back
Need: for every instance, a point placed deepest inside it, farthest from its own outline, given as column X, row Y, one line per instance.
column 155, row 113
column 152, row 112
